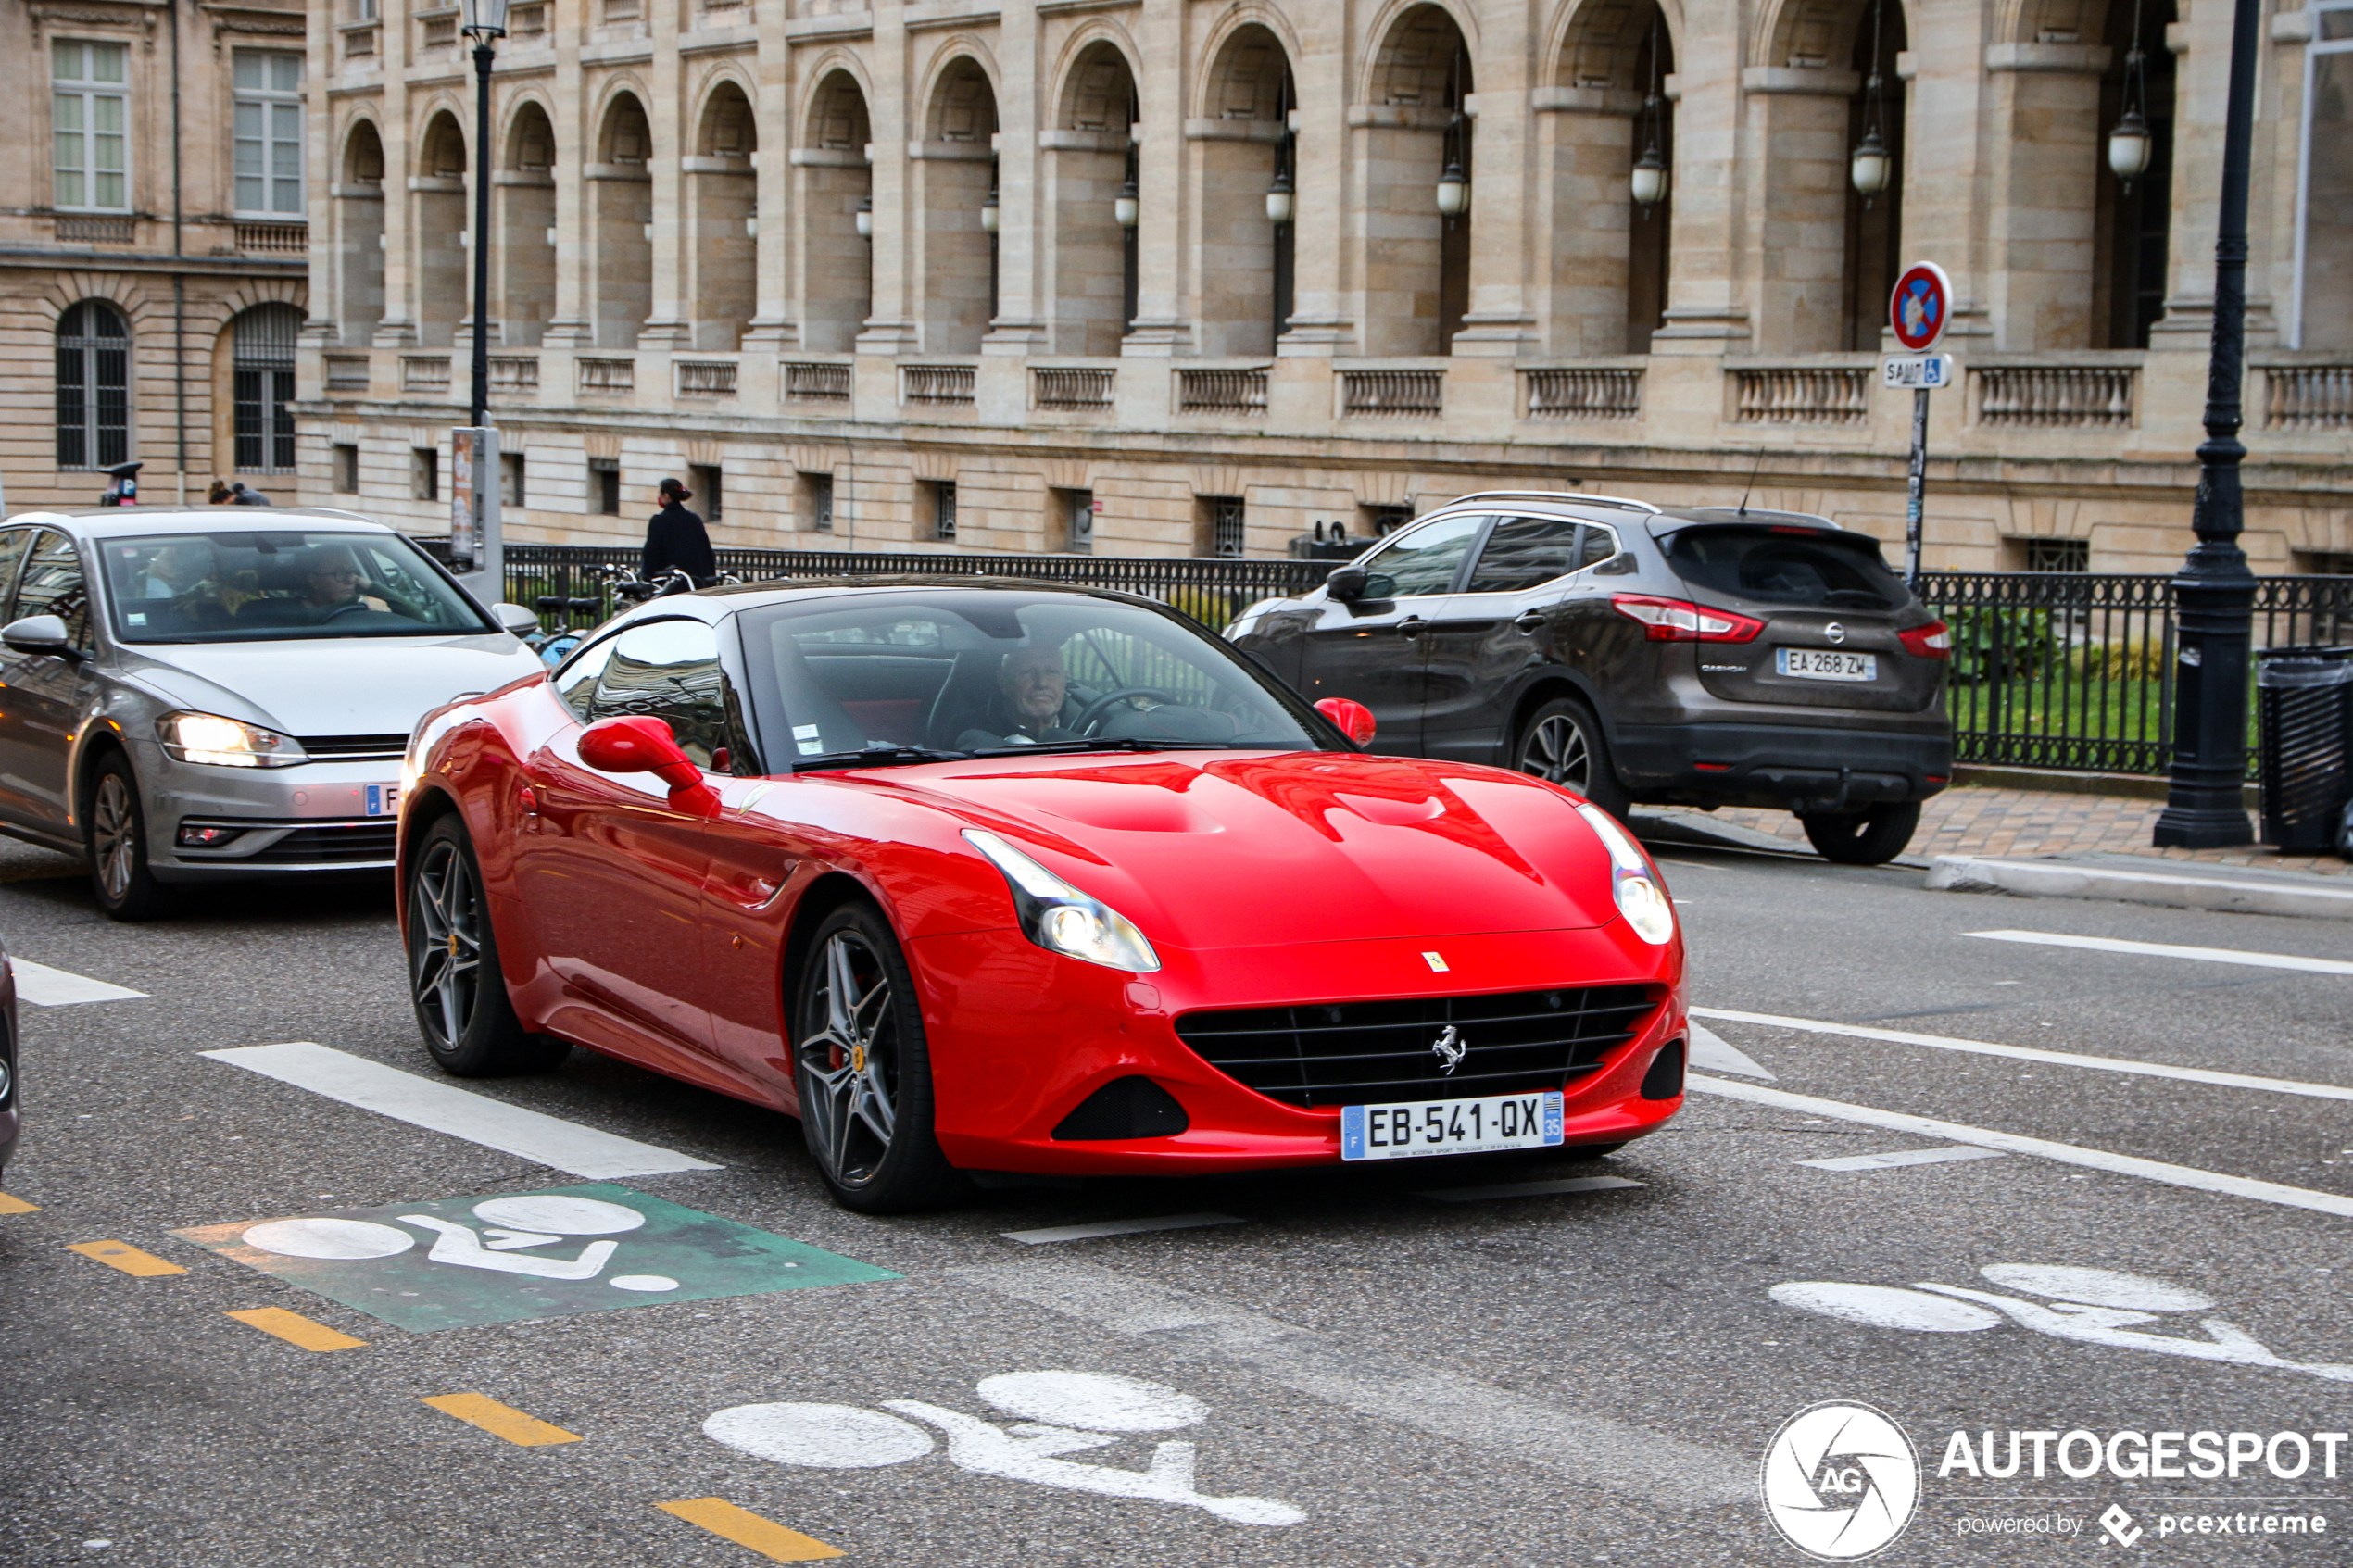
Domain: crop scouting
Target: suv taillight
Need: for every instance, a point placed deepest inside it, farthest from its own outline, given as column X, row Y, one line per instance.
column 1932, row 641
column 1680, row 621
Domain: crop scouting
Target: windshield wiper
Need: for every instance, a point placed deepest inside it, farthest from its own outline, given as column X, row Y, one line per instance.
column 1110, row 743
column 883, row 754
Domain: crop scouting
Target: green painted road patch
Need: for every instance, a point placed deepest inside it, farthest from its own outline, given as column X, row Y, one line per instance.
column 460, row 1263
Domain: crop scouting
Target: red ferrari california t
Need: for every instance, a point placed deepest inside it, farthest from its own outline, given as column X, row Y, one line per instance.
column 991, row 875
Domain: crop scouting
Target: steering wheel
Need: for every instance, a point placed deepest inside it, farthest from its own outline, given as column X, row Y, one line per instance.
column 344, row 609
column 1094, row 710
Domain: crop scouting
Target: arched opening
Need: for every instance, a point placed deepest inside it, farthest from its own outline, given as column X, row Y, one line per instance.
column 2133, row 231
column 1416, row 266
column 621, row 196
column 1091, row 286
column 722, row 200
column 1874, row 223
column 437, row 207
column 837, row 263
column 1244, row 289
column 94, row 387
column 525, row 258
column 360, row 233
column 1608, row 253
column 954, row 175
column 261, row 388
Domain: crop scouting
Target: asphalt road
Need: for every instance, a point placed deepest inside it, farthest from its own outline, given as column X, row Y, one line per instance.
column 1573, row 1376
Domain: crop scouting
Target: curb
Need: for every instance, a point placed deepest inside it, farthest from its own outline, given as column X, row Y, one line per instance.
column 2062, row 879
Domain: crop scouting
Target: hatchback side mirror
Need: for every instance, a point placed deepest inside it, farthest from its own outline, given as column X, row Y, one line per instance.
column 1355, row 719
column 640, row 743
column 1346, row 583
column 40, row 634
column 515, row 619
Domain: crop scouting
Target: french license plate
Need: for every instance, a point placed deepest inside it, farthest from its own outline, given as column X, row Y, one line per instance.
column 1414, row 1128
column 1826, row 664
column 383, row 800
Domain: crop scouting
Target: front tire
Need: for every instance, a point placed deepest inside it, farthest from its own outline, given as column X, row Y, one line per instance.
column 114, row 833
column 863, row 1070
column 1562, row 743
column 1863, row 838
column 468, row 1022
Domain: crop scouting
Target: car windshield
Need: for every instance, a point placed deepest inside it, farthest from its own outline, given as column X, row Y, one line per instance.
column 1002, row 671
column 1799, row 568
column 231, row 585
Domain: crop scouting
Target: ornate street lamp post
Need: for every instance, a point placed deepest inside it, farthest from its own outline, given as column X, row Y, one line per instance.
column 2215, row 593
column 486, row 22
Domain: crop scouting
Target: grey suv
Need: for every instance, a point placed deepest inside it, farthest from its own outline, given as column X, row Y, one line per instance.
column 1704, row 656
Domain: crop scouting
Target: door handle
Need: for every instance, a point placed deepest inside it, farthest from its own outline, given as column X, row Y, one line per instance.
column 1530, row 622
column 1412, row 626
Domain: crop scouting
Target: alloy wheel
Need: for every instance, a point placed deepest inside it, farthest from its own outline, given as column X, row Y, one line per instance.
column 444, row 935
column 114, row 834
column 849, row 1063
column 1555, row 751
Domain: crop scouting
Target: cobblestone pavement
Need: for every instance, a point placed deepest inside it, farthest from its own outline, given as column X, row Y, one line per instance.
column 1980, row 820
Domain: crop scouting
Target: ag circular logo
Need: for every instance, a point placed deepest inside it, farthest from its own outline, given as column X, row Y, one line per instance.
column 1840, row 1481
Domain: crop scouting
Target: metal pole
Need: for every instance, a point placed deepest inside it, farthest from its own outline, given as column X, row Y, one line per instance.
column 479, row 413
column 1916, row 488
column 2215, row 592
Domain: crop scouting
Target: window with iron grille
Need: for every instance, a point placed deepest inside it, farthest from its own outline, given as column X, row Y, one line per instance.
column 262, row 383
column 268, row 136
column 817, row 501
column 943, row 508
column 90, row 169
column 2058, row 555
column 604, row 479
column 1220, row 526
column 94, row 387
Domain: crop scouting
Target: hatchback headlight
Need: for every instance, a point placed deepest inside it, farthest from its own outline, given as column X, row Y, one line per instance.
column 1640, row 897
column 1061, row 919
column 226, row 743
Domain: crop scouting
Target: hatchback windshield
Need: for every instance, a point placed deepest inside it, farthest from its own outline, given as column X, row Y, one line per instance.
column 241, row 586
column 1003, row 671
column 1803, row 569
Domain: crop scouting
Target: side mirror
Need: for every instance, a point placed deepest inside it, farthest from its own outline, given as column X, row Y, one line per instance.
column 516, row 619
column 640, row 743
column 40, row 634
column 1346, row 583
column 1355, row 719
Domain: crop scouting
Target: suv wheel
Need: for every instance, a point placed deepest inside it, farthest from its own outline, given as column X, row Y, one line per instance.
column 1863, row 838
column 114, row 832
column 1562, row 744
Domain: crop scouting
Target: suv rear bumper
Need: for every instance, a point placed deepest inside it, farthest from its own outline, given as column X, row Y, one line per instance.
column 1796, row 768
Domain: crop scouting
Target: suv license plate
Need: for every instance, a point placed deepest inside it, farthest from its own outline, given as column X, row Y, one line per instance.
column 1414, row 1128
column 1826, row 664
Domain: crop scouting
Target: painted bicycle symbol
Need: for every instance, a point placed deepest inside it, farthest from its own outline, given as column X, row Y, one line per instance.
column 512, row 1228
column 2090, row 1306
column 1059, row 1412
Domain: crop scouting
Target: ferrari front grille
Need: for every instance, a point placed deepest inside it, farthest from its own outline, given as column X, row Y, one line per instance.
column 1372, row 1053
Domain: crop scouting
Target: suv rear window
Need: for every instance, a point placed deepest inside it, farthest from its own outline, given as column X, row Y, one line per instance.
column 1810, row 570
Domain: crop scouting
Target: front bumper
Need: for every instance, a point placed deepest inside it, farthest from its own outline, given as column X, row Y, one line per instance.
column 1796, row 768
column 1019, row 1037
column 309, row 820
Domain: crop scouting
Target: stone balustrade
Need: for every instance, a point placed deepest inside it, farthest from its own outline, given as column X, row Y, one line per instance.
column 2053, row 396
column 2308, row 397
column 1801, row 394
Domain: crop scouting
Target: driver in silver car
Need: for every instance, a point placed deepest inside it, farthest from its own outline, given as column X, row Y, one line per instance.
column 1032, row 685
column 332, row 574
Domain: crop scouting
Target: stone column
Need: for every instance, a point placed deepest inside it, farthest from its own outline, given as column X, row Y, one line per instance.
column 668, row 117
column 894, row 118
column 398, row 328
column 1582, row 199
column 1165, row 232
column 1324, row 263
column 2045, row 159
column 1025, row 224
column 1797, row 175
column 1708, row 304
column 771, row 106
column 1506, row 244
column 568, row 324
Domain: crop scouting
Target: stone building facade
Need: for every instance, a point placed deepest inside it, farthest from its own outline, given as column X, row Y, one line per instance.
column 684, row 281
column 154, row 253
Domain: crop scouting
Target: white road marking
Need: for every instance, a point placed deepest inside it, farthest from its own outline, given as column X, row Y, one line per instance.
column 461, row 1113
column 1902, row 1157
column 1528, row 1189
column 1591, row 1449
column 2044, row 1149
column 47, row 988
column 2169, row 951
column 2028, row 1053
column 1712, row 1051
column 1118, row 1227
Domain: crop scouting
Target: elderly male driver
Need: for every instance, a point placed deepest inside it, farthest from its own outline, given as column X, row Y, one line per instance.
column 1031, row 685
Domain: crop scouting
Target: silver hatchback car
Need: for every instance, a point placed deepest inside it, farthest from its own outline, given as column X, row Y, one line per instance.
column 201, row 695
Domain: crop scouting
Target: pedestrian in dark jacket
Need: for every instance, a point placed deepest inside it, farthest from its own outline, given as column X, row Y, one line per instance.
column 675, row 539
column 242, row 496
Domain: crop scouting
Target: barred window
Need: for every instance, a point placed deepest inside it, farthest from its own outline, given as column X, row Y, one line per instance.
column 269, row 132
column 88, row 85
column 262, row 371
column 94, row 387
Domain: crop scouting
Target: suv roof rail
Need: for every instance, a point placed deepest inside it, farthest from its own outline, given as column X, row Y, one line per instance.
column 1566, row 496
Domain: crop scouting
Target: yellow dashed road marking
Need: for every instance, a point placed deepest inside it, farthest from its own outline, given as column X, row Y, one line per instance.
column 746, row 1528
column 129, row 1259
column 16, row 1205
column 501, row 1421
column 296, row 1329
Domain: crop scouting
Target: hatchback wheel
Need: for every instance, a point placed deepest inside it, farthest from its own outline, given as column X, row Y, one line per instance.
column 114, row 832
column 454, row 980
column 863, row 1073
column 1562, row 744
column 1863, row 838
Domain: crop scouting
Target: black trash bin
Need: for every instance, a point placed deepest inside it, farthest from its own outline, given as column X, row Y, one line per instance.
column 2304, row 717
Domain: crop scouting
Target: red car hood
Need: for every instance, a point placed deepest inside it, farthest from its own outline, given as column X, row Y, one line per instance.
column 1212, row 850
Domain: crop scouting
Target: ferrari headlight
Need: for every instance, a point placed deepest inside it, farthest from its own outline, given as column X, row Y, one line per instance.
column 226, row 743
column 1640, row 897
column 1061, row 919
